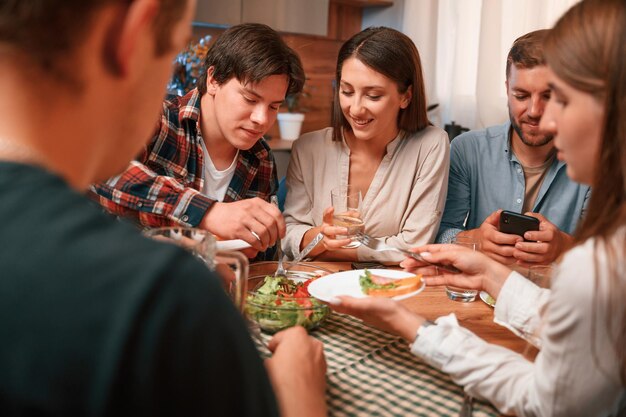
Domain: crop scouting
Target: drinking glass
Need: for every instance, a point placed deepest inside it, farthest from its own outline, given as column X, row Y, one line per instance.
column 463, row 295
column 231, row 266
column 346, row 200
column 541, row 274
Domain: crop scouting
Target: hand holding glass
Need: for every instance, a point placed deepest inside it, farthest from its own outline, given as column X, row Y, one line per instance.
column 346, row 202
column 541, row 274
column 462, row 294
column 202, row 244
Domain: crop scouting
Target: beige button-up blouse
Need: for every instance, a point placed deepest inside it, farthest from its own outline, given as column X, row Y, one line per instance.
column 403, row 205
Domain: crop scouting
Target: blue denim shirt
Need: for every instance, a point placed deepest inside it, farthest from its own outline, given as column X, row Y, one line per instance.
column 485, row 176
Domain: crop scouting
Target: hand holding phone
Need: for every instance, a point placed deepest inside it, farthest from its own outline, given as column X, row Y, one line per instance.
column 516, row 223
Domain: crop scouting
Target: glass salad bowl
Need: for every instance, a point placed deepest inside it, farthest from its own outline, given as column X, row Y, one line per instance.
column 275, row 303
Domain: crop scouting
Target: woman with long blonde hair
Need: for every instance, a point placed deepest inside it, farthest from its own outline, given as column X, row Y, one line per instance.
column 580, row 323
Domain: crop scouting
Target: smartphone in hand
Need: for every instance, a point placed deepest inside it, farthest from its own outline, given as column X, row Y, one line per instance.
column 516, row 223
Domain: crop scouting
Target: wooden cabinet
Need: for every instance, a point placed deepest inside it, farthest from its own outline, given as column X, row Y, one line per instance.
column 346, row 16
column 364, row 3
column 219, row 12
column 318, row 53
column 293, row 16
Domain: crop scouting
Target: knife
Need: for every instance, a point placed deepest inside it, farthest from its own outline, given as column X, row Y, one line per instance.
column 317, row 239
column 416, row 256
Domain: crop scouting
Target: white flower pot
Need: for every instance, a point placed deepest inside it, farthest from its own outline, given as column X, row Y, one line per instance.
column 290, row 125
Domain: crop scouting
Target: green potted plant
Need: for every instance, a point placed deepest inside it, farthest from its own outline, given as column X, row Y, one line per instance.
column 290, row 122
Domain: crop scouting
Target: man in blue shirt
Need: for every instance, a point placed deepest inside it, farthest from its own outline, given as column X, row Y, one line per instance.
column 514, row 167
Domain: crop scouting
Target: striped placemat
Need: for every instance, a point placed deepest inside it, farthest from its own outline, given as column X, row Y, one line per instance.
column 371, row 373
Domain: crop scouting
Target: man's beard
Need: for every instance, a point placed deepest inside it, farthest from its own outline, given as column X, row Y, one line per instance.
column 547, row 138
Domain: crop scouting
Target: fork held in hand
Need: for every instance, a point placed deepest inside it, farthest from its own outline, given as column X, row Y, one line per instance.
column 380, row 246
column 280, row 271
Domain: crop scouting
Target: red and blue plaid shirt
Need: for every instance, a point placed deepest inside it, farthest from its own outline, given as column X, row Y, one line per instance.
column 162, row 186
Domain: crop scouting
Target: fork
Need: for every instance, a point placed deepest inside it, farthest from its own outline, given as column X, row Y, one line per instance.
column 317, row 239
column 255, row 332
column 381, row 246
column 280, row 270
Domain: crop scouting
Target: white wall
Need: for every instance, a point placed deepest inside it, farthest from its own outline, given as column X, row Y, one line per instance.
column 463, row 45
column 400, row 16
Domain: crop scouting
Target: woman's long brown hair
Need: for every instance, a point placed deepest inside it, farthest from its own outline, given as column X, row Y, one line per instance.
column 587, row 50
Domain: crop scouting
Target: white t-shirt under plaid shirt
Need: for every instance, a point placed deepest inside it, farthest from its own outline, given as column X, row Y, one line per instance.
column 215, row 181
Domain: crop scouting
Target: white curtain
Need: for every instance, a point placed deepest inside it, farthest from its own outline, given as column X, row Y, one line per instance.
column 464, row 44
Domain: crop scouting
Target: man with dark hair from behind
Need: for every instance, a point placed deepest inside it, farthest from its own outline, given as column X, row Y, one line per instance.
column 514, row 167
column 207, row 165
column 95, row 319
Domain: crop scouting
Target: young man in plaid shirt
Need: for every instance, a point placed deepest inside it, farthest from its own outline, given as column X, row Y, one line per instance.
column 207, row 165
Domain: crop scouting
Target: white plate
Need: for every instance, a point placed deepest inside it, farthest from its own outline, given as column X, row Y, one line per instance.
column 347, row 283
column 235, row 244
column 487, row 299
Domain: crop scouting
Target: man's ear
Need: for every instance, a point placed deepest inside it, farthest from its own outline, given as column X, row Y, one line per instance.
column 134, row 26
column 211, row 82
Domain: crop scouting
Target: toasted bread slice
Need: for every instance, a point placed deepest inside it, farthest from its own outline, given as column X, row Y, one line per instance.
column 401, row 286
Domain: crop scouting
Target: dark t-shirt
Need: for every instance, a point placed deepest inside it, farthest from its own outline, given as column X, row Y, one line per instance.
column 97, row 320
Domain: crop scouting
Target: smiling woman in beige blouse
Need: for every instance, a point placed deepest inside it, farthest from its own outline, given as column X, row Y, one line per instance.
column 382, row 144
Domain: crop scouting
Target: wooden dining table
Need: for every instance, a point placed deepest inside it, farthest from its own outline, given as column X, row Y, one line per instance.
column 373, row 373
column 433, row 302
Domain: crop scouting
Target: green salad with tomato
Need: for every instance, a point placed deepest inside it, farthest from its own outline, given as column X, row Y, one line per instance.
column 281, row 302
